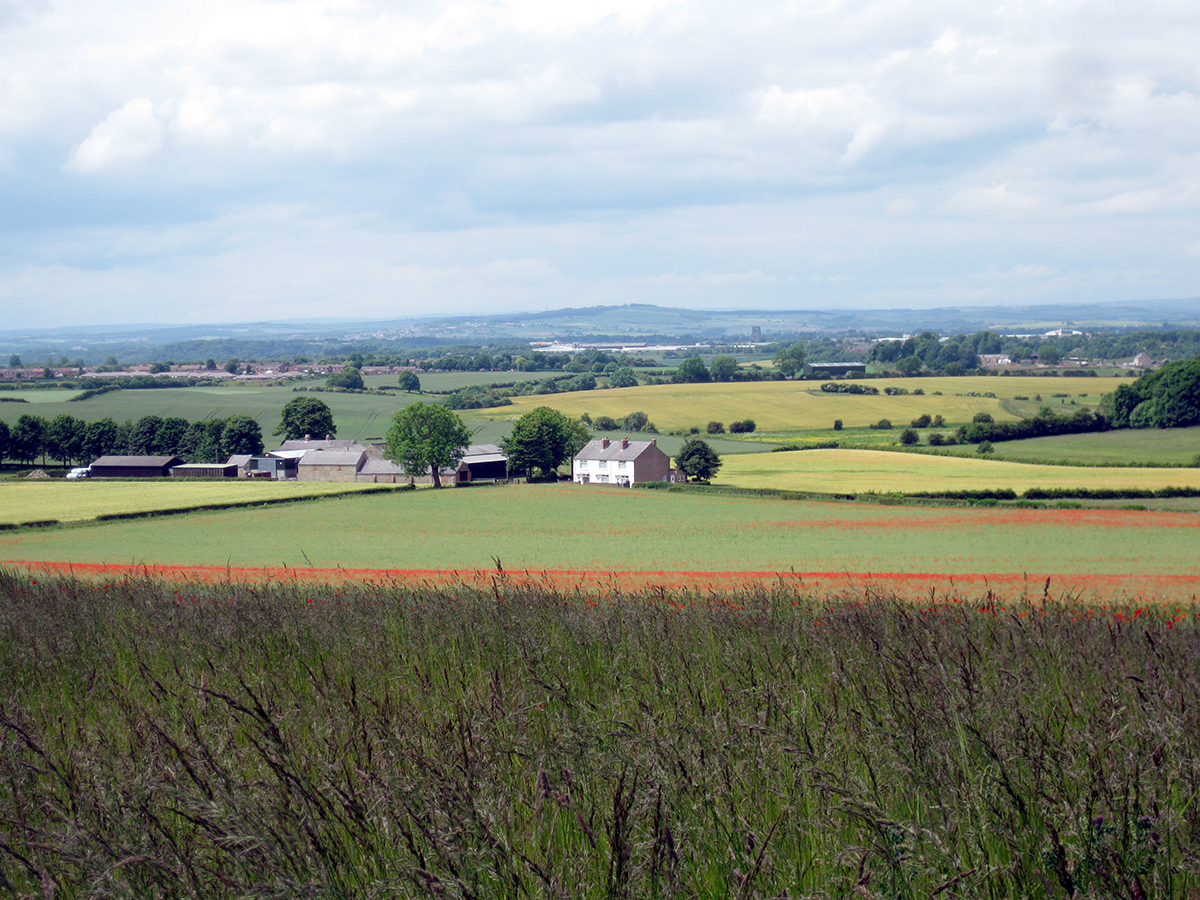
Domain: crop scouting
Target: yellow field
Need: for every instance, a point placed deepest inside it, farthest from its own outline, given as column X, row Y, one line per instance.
column 862, row 471
column 32, row 501
column 802, row 405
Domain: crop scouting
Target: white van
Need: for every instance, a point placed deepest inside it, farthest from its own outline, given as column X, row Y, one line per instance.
column 76, row 474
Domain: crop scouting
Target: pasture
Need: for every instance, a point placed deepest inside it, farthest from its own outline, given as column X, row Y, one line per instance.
column 62, row 501
column 883, row 472
column 1179, row 446
column 793, row 406
column 576, row 534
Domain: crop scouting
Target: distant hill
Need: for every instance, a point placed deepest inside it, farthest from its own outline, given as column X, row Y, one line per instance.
column 629, row 322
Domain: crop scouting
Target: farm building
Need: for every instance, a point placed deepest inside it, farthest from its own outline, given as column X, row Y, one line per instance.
column 331, row 465
column 328, row 444
column 205, row 470
column 270, row 465
column 835, row 368
column 483, row 462
column 134, row 466
column 384, row 471
column 626, row 462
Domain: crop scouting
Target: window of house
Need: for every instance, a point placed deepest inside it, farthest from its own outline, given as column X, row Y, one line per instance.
column 604, row 463
column 621, row 464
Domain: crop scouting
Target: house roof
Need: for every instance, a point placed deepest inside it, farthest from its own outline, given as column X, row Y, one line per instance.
column 145, row 461
column 332, row 444
column 630, row 451
column 239, row 459
column 381, row 467
column 332, row 458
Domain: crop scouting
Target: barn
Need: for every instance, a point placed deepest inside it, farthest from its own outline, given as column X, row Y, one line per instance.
column 134, row 466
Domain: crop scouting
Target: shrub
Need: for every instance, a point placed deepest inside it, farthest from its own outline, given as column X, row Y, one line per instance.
column 745, row 426
column 922, row 421
column 882, row 425
column 983, row 418
column 909, row 436
column 984, row 447
column 937, row 439
column 716, row 428
column 837, row 424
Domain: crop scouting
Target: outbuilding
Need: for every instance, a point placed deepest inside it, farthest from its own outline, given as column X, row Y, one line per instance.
column 331, row 465
column 205, row 470
column 134, row 466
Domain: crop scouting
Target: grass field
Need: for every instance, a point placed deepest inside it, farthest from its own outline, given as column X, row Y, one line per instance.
column 31, row 501
column 863, row 471
column 1116, row 448
column 588, row 534
column 369, row 740
column 790, row 406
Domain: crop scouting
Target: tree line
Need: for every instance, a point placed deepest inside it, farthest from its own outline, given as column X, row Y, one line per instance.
column 70, row 440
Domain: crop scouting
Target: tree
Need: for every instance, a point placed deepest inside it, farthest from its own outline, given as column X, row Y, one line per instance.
column 170, row 435
column 349, row 378
column 723, row 368
column 543, row 439
column 231, row 365
column 14, row 361
column 789, row 360
column 241, row 435
column 744, row 426
column 354, row 360
column 691, row 371
column 144, row 437
column 210, row 365
column 716, row 428
column 64, row 438
column 909, row 436
column 697, row 460
column 605, row 423
column 101, row 438
column 305, row 416
column 4, row 434
column 635, row 421
column 1048, row 355
column 410, row 382
column 426, row 437
column 26, row 440
column 624, row 376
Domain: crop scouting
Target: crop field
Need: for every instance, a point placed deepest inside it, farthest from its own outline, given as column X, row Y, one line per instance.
column 1178, row 446
column 183, row 740
column 789, row 406
column 879, row 471
column 61, row 501
column 592, row 535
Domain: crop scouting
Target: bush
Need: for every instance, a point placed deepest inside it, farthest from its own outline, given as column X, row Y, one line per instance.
column 882, row 425
column 937, row 439
column 983, row 418
column 716, row 428
column 984, row 447
column 922, row 421
column 745, row 426
column 909, row 436
column 837, row 424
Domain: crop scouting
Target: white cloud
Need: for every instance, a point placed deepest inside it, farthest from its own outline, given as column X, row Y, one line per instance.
column 128, row 135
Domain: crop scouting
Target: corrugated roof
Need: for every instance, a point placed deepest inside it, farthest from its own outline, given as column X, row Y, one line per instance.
column 381, row 467
column 136, row 460
column 614, row 450
column 332, row 458
column 333, row 444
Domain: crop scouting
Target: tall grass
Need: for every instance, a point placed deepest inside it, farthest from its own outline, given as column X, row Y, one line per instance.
column 383, row 740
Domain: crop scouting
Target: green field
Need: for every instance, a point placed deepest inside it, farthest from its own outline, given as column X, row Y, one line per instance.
column 597, row 530
column 792, row 406
column 1179, row 446
column 63, row 501
column 862, row 471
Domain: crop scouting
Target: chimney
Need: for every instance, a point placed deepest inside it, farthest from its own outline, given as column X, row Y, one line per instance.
column 308, row 437
column 625, row 442
column 604, row 444
column 653, row 442
column 329, row 437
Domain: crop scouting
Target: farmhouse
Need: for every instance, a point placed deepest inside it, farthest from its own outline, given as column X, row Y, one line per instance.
column 331, row 465
column 625, row 463
column 134, row 466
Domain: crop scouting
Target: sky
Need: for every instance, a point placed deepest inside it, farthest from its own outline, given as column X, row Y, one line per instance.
column 215, row 161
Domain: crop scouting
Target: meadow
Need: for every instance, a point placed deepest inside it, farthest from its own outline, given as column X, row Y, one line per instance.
column 882, row 472
column 794, row 406
column 183, row 740
column 1160, row 446
column 574, row 535
column 61, row 501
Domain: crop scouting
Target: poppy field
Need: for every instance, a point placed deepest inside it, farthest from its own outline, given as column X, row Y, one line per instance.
column 570, row 536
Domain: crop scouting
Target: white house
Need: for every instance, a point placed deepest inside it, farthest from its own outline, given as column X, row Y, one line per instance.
column 625, row 463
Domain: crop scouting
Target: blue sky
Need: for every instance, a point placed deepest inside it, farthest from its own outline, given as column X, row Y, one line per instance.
column 263, row 159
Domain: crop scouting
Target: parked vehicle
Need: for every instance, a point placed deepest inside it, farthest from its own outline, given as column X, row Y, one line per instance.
column 82, row 472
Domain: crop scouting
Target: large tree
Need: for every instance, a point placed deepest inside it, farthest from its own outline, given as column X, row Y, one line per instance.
column 64, row 438
column 543, row 440
column 102, row 438
column 789, row 360
column 691, row 371
column 3, row 439
column 144, row 435
column 305, row 416
column 241, row 435
column 425, row 437
column 27, row 438
column 697, row 460
column 410, row 382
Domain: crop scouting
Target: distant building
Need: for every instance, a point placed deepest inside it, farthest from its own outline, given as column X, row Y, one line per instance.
column 205, row 470
column 331, row 465
column 835, row 368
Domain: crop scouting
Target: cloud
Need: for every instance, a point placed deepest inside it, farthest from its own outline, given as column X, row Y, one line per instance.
column 128, row 135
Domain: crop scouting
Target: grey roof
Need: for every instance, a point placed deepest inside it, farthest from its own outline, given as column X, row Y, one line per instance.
column 614, row 450
column 224, row 465
column 136, row 461
column 239, row 459
column 333, row 444
column 483, row 450
column 332, row 458
column 381, row 467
